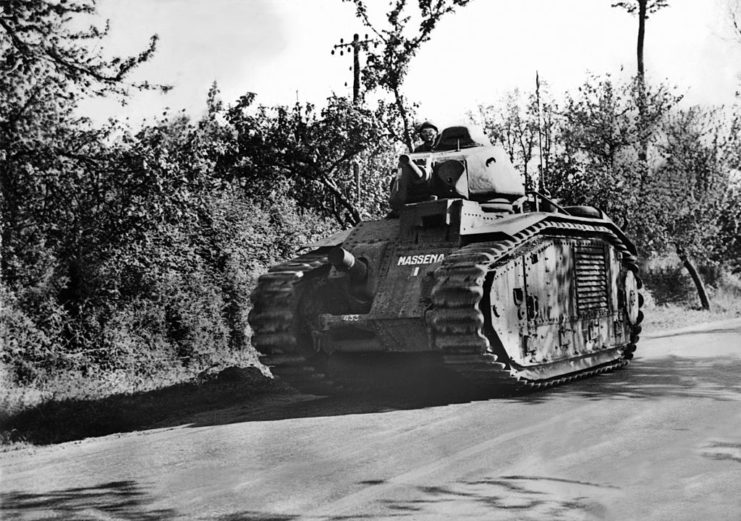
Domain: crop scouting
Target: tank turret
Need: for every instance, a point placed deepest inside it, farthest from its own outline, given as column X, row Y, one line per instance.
column 463, row 164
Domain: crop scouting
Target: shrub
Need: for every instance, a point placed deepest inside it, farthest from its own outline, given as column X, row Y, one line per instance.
column 175, row 298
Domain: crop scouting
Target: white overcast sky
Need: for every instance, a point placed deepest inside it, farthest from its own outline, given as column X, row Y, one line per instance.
column 280, row 49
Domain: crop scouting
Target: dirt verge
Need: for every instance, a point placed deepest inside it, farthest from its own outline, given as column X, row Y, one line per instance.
column 73, row 419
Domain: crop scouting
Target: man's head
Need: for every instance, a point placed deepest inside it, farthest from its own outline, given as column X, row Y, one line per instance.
column 427, row 132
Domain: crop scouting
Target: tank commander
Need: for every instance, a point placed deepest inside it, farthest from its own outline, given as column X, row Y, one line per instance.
column 428, row 133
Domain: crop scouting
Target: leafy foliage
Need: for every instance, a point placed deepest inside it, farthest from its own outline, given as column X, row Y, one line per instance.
column 121, row 248
column 405, row 30
column 695, row 178
column 646, row 6
column 515, row 123
column 601, row 135
column 310, row 153
column 150, row 258
column 729, row 236
column 680, row 197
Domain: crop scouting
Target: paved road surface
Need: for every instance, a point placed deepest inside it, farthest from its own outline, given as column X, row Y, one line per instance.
column 660, row 440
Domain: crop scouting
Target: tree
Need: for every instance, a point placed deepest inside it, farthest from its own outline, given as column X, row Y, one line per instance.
column 680, row 199
column 525, row 132
column 734, row 16
column 387, row 68
column 50, row 186
column 728, row 250
column 643, row 8
column 307, row 154
column 734, row 13
column 695, row 184
column 46, row 67
column 597, row 161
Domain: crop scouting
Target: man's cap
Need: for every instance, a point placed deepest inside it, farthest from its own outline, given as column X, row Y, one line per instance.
column 427, row 124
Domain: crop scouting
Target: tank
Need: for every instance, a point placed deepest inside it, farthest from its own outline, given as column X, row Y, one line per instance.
column 470, row 279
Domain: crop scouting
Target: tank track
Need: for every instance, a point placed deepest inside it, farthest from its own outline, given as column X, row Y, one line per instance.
column 458, row 323
column 276, row 324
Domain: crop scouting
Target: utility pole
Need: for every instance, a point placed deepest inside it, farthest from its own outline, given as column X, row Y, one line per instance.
column 356, row 45
column 541, row 177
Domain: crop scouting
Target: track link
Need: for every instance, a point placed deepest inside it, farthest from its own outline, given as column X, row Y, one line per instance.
column 457, row 321
column 276, row 325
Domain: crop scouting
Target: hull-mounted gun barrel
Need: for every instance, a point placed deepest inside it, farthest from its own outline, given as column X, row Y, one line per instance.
column 346, row 262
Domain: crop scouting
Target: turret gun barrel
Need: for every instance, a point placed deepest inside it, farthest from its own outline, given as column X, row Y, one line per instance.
column 411, row 167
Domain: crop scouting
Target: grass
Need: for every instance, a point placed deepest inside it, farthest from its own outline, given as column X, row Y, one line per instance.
column 725, row 303
column 672, row 316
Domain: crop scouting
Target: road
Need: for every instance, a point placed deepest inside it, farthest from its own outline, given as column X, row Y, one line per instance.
column 660, row 440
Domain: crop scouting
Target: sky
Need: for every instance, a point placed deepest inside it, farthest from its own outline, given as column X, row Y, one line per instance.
column 280, row 49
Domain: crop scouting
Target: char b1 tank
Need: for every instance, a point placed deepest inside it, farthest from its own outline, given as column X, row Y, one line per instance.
column 469, row 275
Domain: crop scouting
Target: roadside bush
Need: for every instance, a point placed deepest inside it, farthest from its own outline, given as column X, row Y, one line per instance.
column 26, row 347
column 176, row 298
column 670, row 285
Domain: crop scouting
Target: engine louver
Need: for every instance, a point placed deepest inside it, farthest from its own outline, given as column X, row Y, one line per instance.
column 591, row 278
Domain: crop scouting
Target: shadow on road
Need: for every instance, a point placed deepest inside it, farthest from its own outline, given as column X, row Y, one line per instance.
column 120, row 500
column 219, row 403
column 499, row 497
column 57, row 421
column 711, row 378
column 123, row 500
column 508, row 497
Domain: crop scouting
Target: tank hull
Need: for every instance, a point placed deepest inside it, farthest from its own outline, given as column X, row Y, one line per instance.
column 531, row 299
